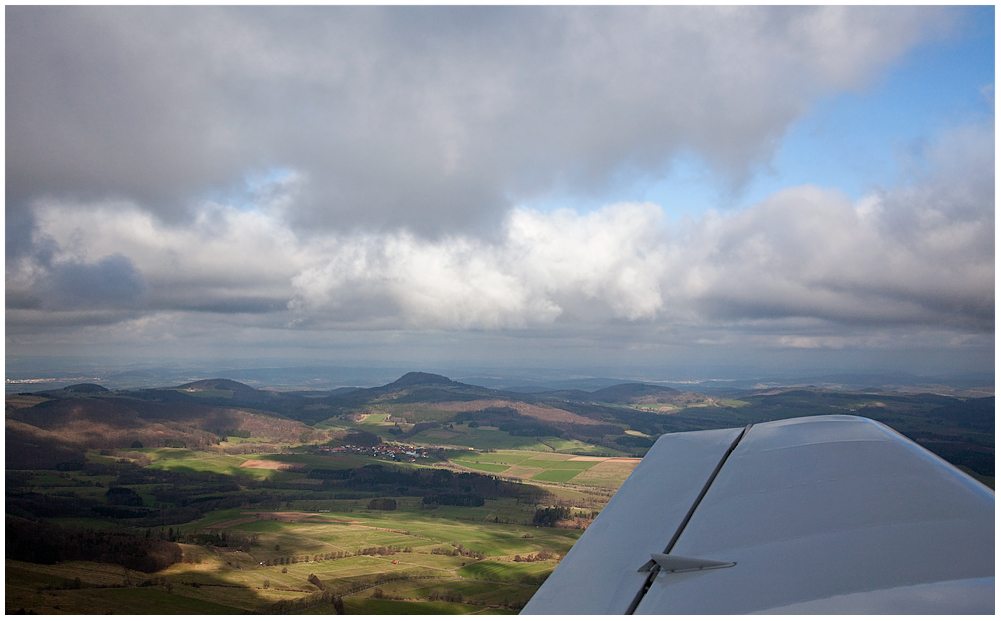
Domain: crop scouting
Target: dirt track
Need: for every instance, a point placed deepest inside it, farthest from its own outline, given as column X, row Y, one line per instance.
column 279, row 516
column 628, row 460
column 265, row 464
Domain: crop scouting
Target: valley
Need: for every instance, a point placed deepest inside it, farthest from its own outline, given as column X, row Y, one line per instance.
column 424, row 495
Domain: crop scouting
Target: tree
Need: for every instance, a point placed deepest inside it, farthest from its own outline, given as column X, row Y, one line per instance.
column 382, row 504
column 362, row 438
column 550, row 515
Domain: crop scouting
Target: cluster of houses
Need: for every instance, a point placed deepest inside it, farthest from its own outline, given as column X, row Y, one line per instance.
column 396, row 452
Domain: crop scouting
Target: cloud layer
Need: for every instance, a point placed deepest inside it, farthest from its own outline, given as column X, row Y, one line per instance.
column 921, row 255
column 200, row 175
column 429, row 118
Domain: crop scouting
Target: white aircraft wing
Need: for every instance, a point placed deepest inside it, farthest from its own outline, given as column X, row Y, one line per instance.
column 817, row 515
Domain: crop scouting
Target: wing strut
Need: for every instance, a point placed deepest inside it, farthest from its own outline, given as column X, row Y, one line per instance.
column 675, row 563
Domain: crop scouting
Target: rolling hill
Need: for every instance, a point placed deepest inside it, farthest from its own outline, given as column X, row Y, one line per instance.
column 432, row 409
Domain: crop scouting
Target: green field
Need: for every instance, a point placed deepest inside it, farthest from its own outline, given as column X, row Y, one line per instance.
column 502, row 571
column 41, row 589
column 531, row 465
column 185, row 460
column 318, row 536
column 214, row 580
column 556, row 476
column 357, row 606
column 484, row 466
column 483, row 438
column 547, row 467
column 461, row 435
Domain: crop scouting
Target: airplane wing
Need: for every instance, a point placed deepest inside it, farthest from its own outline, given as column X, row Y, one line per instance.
column 816, row 515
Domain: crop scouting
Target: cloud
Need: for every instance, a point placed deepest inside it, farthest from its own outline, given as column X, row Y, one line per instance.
column 547, row 265
column 430, row 118
column 918, row 255
column 226, row 261
column 805, row 252
column 63, row 283
column 210, row 177
column 111, row 281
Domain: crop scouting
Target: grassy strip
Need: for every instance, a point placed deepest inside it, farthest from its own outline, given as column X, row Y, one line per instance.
column 576, row 466
column 486, row 467
column 556, row 476
column 355, row 606
column 502, row 571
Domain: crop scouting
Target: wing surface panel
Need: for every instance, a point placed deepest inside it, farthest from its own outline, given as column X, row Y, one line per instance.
column 598, row 575
column 828, row 514
column 812, row 516
column 955, row 597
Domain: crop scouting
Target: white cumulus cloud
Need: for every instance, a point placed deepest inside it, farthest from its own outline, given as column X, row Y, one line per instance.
column 917, row 255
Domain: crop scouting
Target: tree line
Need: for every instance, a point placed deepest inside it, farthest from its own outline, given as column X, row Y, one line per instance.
column 47, row 544
column 393, row 481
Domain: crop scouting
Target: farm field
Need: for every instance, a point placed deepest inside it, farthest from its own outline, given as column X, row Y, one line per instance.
column 461, row 435
column 478, row 438
column 552, row 467
column 294, row 555
column 184, row 460
column 411, row 555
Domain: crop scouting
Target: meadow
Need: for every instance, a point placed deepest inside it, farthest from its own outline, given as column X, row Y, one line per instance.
column 551, row 467
column 407, row 554
column 245, row 559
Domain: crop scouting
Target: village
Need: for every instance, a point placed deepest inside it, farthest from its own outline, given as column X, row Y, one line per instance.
column 395, row 452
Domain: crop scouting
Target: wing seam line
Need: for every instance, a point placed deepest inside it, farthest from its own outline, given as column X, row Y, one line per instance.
column 681, row 527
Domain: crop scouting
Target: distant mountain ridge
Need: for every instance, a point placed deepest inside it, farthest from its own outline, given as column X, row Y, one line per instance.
column 417, row 378
column 85, row 416
column 86, row 388
column 636, row 393
column 216, row 384
column 626, row 418
column 220, row 385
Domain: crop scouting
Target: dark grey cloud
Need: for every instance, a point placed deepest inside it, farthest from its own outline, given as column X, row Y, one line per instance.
column 37, row 325
column 216, row 301
column 432, row 118
column 112, row 282
column 19, row 224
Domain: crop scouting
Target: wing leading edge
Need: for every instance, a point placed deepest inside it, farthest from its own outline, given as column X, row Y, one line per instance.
column 827, row 514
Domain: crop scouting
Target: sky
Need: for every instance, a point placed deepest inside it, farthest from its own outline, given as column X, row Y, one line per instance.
column 685, row 190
